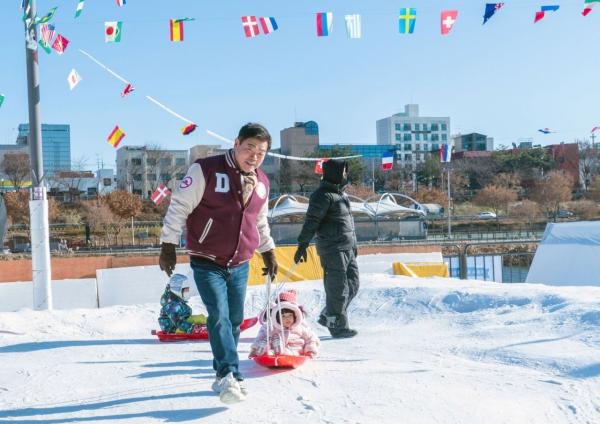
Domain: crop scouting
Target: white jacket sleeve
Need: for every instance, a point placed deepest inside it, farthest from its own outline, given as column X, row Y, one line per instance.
column 183, row 201
column 266, row 242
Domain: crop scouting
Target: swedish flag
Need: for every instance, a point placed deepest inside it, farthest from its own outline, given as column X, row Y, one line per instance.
column 407, row 19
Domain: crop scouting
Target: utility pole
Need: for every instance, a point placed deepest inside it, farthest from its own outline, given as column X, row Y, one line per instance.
column 449, row 207
column 38, row 204
column 373, row 175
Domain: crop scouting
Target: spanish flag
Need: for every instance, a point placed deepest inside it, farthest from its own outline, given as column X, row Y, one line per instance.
column 116, row 136
column 176, row 28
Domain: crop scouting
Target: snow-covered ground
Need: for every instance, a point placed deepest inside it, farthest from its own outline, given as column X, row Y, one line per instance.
column 428, row 351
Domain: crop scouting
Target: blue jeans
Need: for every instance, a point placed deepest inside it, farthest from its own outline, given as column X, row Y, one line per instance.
column 223, row 291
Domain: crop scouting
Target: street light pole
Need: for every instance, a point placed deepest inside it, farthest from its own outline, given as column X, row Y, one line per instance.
column 38, row 203
column 449, row 209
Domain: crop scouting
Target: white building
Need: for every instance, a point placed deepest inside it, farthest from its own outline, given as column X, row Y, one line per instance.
column 140, row 169
column 412, row 135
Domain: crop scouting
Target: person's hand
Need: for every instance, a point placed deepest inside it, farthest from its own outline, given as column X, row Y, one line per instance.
column 310, row 354
column 168, row 258
column 271, row 265
column 301, row 254
column 252, row 354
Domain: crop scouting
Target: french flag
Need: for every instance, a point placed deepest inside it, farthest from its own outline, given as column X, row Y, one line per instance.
column 268, row 25
column 445, row 153
column 120, row 3
column 324, row 23
column 387, row 161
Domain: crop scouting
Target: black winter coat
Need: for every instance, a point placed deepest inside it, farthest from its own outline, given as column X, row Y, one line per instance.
column 329, row 216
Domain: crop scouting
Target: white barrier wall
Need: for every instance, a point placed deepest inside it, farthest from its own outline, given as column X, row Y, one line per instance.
column 138, row 284
column 66, row 294
column 382, row 262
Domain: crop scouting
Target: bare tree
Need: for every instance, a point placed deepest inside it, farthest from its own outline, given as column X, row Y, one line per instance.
column 589, row 162
column 495, row 197
column 551, row 191
column 17, row 168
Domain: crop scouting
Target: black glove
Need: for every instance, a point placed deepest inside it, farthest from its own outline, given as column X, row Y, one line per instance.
column 168, row 258
column 301, row 254
column 271, row 265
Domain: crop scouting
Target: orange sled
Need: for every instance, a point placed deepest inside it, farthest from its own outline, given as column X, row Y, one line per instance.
column 201, row 335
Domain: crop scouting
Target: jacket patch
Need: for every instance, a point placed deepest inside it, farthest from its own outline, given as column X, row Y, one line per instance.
column 222, row 183
column 186, row 182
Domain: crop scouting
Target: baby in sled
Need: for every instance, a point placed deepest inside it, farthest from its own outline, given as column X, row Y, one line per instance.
column 290, row 334
column 175, row 313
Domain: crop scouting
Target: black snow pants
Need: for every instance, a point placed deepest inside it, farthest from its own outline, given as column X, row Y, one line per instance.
column 341, row 286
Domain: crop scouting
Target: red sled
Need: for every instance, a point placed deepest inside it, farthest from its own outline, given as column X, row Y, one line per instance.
column 280, row 361
column 201, row 335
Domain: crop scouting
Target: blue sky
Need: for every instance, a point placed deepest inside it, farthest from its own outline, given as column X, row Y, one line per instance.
column 505, row 79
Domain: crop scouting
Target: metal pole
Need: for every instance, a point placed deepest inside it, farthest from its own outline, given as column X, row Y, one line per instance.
column 132, row 233
column 449, row 210
column 373, row 174
column 38, row 204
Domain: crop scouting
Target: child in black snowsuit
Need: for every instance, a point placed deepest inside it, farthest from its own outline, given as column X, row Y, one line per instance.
column 175, row 314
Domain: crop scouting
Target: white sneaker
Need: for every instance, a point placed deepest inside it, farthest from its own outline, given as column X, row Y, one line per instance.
column 230, row 391
column 216, row 386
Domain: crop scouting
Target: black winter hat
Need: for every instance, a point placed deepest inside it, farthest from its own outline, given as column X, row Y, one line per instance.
column 333, row 171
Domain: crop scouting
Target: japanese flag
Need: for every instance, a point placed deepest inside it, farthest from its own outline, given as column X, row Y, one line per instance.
column 73, row 79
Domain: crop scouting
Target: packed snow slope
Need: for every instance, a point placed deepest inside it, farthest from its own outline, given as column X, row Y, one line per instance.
column 428, row 351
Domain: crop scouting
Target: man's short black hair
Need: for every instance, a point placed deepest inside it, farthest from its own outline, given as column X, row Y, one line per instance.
column 254, row 130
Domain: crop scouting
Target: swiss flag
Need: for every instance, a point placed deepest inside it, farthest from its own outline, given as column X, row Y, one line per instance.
column 319, row 166
column 250, row 26
column 160, row 194
column 448, row 20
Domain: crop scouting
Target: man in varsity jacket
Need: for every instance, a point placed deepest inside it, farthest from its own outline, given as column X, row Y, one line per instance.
column 223, row 202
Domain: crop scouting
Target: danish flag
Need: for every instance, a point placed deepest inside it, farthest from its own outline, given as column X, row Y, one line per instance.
column 160, row 194
column 250, row 26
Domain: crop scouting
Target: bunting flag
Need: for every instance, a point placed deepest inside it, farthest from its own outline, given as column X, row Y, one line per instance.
column 387, row 161
column 407, row 20
column 353, row 26
column 319, row 166
column 120, row 3
column 448, row 19
column 1, row 99
column 324, row 23
column 79, row 8
column 540, row 15
column 588, row 5
column 127, row 90
column 188, row 129
column 546, row 131
column 73, row 79
column 47, row 48
column 250, row 26
column 160, row 194
column 60, row 44
column 47, row 17
column 112, row 31
column 176, row 30
column 115, row 137
column 268, row 25
column 47, row 33
column 594, row 129
column 445, row 153
column 490, row 9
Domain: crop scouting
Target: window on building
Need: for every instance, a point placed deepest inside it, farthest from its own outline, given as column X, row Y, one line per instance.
column 424, row 127
column 417, row 127
column 435, row 147
column 434, row 127
column 180, row 176
column 408, row 157
column 137, row 177
column 406, row 126
column 418, row 137
column 444, row 127
column 408, row 147
column 435, row 137
column 151, row 161
column 180, row 161
column 398, row 127
column 417, row 147
column 165, row 177
column 136, row 161
column 398, row 137
column 152, row 177
column 425, row 137
column 407, row 137
column 165, row 162
column 106, row 182
column 444, row 137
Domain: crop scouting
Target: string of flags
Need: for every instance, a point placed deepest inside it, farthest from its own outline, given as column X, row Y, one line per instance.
column 73, row 79
column 115, row 137
column 490, row 9
column 546, row 131
column 387, row 161
column 445, row 153
column 1, row 99
column 540, row 15
column 160, row 194
column 112, row 31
